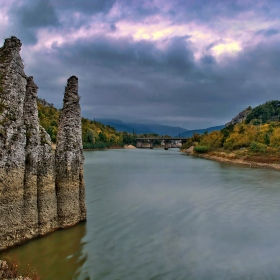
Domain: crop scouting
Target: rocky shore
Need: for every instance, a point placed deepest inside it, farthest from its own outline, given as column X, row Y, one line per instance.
column 10, row 272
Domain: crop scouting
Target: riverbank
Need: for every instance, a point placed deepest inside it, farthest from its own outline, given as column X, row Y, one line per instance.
column 240, row 157
column 10, row 271
column 107, row 148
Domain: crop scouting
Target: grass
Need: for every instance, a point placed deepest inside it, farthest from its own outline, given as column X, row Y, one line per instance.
column 97, row 145
column 201, row 149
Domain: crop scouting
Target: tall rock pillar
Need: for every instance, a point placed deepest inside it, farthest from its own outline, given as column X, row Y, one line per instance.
column 31, row 122
column 12, row 143
column 41, row 190
column 69, row 159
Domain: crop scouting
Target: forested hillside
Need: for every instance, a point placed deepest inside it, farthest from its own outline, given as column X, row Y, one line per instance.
column 95, row 134
column 269, row 111
column 258, row 134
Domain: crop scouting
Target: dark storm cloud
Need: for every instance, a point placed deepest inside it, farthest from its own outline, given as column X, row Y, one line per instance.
column 133, row 9
column 119, row 71
column 205, row 10
column 179, row 11
column 268, row 32
column 208, row 60
column 37, row 14
column 120, row 77
column 113, row 27
column 85, row 6
column 137, row 10
column 209, row 11
column 30, row 17
column 123, row 53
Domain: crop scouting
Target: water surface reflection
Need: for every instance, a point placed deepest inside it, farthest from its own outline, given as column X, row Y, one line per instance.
column 56, row 256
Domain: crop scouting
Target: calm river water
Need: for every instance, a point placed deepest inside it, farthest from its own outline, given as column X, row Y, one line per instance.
column 155, row 214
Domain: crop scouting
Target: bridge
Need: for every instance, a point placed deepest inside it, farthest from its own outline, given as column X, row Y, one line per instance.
column 149, row 142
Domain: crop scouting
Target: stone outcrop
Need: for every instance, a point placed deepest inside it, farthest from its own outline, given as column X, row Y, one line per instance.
column 240, row 117
column 40, row 190
column 44, row 102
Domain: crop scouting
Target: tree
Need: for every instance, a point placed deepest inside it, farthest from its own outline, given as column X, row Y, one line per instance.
column 102, row 137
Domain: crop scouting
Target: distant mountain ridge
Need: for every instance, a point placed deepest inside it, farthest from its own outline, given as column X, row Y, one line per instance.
column 139, row 128
column 189, row 133
column 155, row 128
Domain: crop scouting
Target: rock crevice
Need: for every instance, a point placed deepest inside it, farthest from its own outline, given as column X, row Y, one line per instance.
column 41, row 190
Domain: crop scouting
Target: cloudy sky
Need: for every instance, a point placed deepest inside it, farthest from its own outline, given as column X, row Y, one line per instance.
column 189, row 63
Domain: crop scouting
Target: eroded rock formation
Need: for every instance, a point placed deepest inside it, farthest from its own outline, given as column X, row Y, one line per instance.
column 69, row 159
column 40, row 189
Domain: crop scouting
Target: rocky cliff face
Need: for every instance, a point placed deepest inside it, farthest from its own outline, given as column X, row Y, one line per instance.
column 240, row 117
column 40, row 189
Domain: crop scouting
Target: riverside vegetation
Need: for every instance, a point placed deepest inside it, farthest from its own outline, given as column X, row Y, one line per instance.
column 254, row 139
column 95, row 135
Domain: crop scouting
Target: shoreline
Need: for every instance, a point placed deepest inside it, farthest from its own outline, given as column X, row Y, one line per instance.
column 274, row 166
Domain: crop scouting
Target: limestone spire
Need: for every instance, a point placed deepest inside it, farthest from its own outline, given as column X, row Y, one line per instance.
column 40, row 189
column 69, row 159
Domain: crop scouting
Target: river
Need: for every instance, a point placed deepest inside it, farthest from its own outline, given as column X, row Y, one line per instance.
column 156, row 215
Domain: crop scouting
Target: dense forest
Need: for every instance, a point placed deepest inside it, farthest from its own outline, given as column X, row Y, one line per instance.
column 258, row 134
column 95, row 135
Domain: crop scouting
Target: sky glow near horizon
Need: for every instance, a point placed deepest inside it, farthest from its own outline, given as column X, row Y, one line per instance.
column 183, row 63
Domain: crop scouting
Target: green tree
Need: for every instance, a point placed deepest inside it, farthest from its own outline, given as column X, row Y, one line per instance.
column 102, row 137
column 266, row 139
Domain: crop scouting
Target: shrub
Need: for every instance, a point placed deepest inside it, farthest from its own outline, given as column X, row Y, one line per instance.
column 97, row 145
column 258, row 147
column 213, row 139
column 237, row 140
column 202, row 149
column 275, row 138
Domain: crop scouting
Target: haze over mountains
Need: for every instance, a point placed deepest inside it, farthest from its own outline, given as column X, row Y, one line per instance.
column 154, row 128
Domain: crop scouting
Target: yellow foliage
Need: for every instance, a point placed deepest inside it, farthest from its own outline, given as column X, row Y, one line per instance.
column 244, row 135
column 241, row 136
column 49, row 119
column 213, row 139
column 275, row 138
